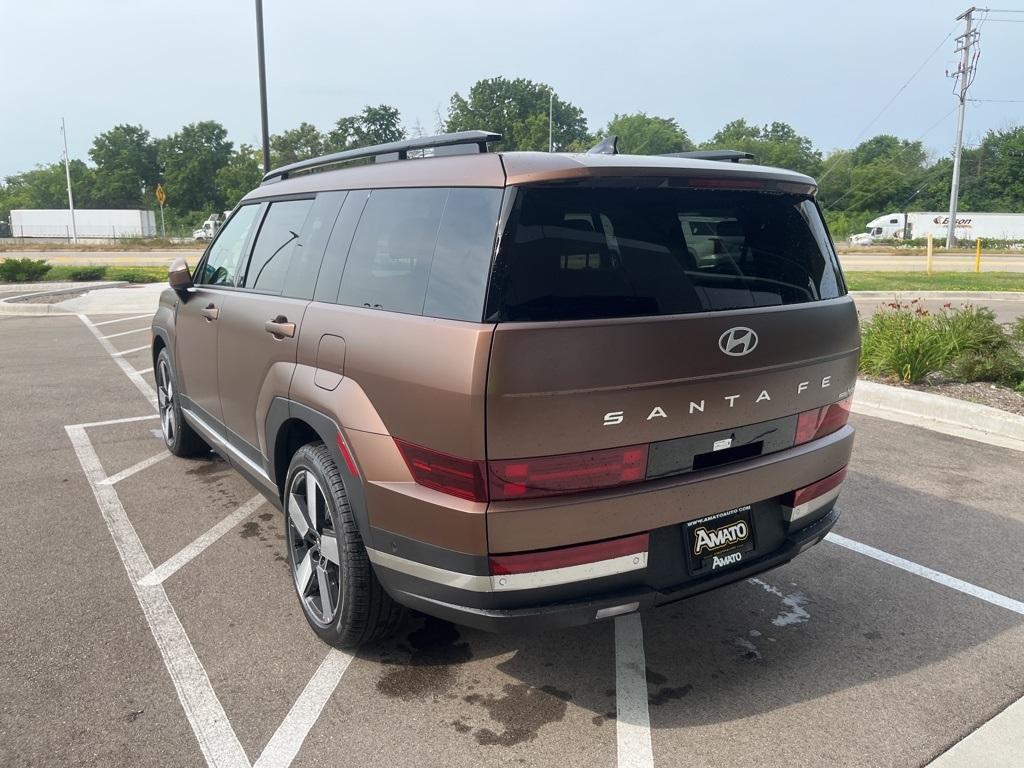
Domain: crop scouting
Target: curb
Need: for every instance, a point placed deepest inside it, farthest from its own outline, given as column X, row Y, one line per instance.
column 25, row 309
column 940, row 413
column 942, row 295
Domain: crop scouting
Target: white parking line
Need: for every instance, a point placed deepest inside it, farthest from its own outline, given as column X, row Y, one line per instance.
column 135, row 468
column 140, row 371
column 119, row 320
column 126, row 333
column 124, row 352
column 939, row 578
column 213, row 731
column 284, row 744
column 110, row 422
column 131, row 373
column 174, row 563
column 633, row 721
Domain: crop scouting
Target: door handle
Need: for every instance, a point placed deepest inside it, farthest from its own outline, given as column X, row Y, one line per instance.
column 279, row 327
column 210, row 312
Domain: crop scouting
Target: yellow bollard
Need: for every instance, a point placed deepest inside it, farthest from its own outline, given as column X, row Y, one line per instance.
column 977, row 257
column 929, row 255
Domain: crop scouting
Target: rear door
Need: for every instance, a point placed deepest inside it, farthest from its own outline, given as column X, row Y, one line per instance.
column 199, row 318
column 612, row 332
column 260, row 324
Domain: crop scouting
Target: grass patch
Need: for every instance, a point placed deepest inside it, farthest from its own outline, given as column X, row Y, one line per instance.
column 940, row 281
column 69, row 273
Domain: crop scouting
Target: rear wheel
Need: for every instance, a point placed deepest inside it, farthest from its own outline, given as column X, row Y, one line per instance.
column 179, row 437
column 339, row 594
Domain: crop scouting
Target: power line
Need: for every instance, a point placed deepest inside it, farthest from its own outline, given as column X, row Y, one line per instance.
column 894, row 97
column 997, row 101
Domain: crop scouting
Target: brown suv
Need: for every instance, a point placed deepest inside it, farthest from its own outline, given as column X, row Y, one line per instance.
column 518, row 388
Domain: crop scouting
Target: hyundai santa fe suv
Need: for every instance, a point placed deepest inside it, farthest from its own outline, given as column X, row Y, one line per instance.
column 508, row 388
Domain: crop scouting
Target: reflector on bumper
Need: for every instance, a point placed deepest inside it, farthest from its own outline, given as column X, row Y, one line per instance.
column 811, row 498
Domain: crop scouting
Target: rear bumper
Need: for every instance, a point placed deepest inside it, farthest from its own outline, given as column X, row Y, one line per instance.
column 605, row 598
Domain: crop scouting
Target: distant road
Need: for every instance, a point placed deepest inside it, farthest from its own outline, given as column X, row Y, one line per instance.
column 888, row 262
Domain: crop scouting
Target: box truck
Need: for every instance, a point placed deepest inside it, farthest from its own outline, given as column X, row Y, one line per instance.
column 96, row 224
column 911, row 225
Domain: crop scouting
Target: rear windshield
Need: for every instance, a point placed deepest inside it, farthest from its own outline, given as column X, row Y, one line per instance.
column 586, row 252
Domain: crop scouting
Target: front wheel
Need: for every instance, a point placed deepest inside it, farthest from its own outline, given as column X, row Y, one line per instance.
column 339, row 594
column 179, row 437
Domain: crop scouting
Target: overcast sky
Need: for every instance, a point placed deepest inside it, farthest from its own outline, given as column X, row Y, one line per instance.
column 826, row 67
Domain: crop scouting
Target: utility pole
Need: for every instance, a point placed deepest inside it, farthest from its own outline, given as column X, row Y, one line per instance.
column 263, row 85
column 551, row 122
column 67, row 174
column 965, row 74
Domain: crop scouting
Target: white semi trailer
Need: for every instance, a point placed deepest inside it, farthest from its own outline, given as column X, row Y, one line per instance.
column 95, row 224
column 911, row 225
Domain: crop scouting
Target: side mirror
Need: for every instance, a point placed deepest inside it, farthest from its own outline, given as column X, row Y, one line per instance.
column 178, row 276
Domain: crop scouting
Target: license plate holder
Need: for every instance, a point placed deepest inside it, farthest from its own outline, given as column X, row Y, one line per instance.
column 719, row 541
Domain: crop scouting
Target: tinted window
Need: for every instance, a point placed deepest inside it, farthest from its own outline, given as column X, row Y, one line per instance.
column 223, row 260
column 277, row 240
column 462, row 256
column 389, row 261
column 328, row 282
column 599, row 252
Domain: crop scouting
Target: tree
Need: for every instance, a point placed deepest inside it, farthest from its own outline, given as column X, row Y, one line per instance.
column 374, row 125
column 518, row 110
column 775, row 144
column 126, row 162
column 46, row 187
column 640, row 134
column 191, row 159
column 296, row 144
column 241, row 175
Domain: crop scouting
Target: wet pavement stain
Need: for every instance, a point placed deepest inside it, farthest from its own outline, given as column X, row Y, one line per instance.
column 428, row 669
column 602, row 719
column 249, row 530
column 654, row 678
column 210, row 470
column 521, row 710
column 667, row 694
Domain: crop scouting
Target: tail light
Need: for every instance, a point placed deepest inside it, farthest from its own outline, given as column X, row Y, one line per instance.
column 567, row 557
column 812, row 498
column 818, row 422
column 551, row 475
column 443, row 472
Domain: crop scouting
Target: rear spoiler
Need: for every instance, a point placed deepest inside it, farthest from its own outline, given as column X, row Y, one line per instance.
column 609, row 145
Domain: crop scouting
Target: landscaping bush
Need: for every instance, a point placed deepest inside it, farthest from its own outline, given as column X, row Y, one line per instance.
column 86, row 274
column 23, row 270
column 137, row 274
column 904, row 341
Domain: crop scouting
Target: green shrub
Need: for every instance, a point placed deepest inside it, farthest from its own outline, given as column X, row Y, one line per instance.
column 1017, row 330
column 23, row 270
column 966, row 344
column 137, row 274
column 86, row 274
column 902, row 343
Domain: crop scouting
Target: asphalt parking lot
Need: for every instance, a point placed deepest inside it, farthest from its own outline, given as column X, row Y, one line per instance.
column 147, row 616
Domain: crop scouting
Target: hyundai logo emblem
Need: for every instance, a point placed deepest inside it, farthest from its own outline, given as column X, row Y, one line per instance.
column 738, row 341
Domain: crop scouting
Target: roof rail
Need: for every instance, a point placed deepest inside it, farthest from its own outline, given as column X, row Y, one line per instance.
column 725, row 155
column 399, row 148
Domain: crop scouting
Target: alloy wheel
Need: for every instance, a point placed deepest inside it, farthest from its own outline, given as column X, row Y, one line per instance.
column 165, row 400
column 316, row 561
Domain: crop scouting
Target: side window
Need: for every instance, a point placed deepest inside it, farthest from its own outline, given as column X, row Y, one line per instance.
column 328, row 281
column 462, row 256
column 307, row 257
column 277, row 240
column 223, row 260
column 389, row 262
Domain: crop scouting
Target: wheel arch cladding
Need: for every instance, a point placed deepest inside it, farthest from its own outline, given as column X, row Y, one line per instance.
column 159, row 344
column 291, row 425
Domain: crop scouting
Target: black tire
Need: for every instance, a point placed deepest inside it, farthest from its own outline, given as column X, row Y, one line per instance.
column 357, row 609
column 179, row 437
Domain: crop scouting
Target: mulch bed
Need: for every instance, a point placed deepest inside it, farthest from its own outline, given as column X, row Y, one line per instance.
column 51, row 298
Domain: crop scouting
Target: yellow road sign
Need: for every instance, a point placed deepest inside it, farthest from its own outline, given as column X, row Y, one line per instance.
column 161, row 196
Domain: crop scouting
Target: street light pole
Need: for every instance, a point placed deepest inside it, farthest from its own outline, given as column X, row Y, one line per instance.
column 67, row 174
column 263, row 85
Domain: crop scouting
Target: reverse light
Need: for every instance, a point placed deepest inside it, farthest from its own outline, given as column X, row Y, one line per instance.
column 818, row 422
column 811, row 498
column 443, row 472
column 552, row 475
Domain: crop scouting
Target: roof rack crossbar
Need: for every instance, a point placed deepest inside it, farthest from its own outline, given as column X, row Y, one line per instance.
column 399, row 148
column 724, row 155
